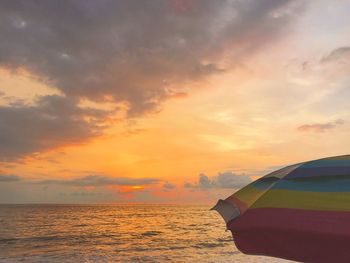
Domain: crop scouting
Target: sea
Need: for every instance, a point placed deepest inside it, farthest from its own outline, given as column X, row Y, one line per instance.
column 116, row 233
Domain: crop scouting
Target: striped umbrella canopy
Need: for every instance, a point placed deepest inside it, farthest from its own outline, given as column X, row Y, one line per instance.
column 300, row 212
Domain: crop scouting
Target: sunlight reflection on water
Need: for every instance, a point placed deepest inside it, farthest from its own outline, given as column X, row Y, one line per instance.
column 116, row 233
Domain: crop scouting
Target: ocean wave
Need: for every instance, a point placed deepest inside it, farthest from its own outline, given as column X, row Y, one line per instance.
column 151, row 233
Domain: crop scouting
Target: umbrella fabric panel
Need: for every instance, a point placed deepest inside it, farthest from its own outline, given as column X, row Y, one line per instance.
column 316, row 184
column 325, row 222
column 296, row 234
column 309, row 172
column 292, row 245
column 247, row 196
column 333, row 166
column 298, row 246
column 337, row 161
column 327, row 201
column 283, row 172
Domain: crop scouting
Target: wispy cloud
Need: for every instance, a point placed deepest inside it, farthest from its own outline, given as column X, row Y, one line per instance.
column 320, row 127
column 337, row 54
column 100, row 180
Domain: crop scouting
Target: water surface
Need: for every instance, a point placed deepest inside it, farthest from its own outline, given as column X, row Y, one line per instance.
column 116, row 233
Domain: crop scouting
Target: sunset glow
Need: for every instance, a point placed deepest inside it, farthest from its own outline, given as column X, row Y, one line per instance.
column 185, row 110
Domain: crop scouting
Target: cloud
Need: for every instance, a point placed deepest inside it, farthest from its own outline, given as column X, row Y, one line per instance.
column 9, row 178
column 53, row 122
column 225, row 180
column 189, row 185
column 168, row 186
column 85, row 194
column 320, row 127
column 337, row 54
column 135, row 51
column 99, row 180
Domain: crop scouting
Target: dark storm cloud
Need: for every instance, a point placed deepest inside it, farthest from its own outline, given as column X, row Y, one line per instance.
column 336, row 54
column 9, row 178
column 320, row 127
column 54, row 121
column 134, row 51
column 99, row 180
column 228, row 180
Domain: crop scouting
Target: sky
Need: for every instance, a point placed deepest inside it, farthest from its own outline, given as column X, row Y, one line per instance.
column 166, row 101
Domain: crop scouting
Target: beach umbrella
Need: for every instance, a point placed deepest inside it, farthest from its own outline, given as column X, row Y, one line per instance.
column 300, row 212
